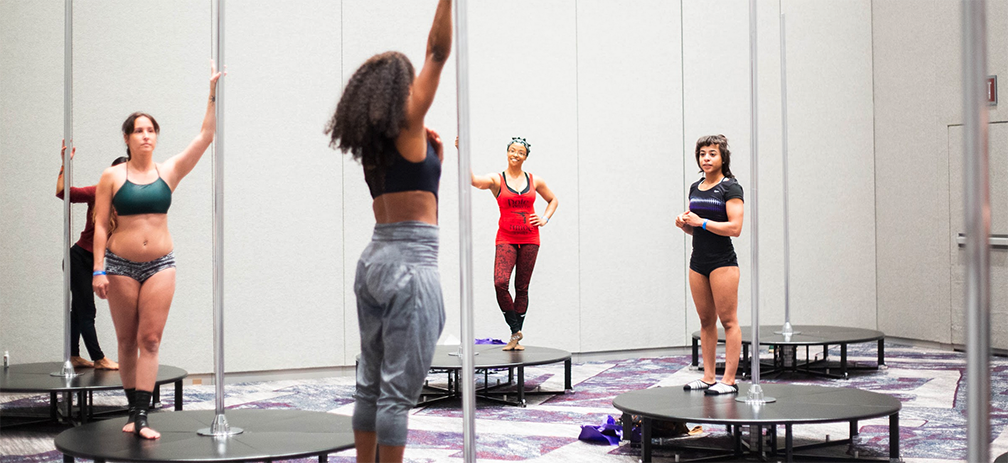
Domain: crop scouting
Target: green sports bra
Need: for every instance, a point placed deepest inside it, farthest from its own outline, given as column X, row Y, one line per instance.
column 133, row 199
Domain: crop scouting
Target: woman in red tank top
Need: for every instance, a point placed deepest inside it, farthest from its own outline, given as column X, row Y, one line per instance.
column 517, row 232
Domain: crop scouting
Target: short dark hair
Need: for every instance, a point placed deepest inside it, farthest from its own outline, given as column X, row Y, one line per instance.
column 129, row 125
column 722, row 144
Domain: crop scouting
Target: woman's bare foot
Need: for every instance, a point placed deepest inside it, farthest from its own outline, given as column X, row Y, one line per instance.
column 149, row 433
column 128, row 427
column 81, row 362
column 105, row 364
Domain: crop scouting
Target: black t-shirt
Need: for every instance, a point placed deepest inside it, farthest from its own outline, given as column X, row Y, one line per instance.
column 710, row 204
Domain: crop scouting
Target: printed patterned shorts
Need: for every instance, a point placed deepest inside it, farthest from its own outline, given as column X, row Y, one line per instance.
column 139, row 271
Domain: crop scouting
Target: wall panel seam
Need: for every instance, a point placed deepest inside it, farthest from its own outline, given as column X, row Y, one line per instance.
column 577, row 149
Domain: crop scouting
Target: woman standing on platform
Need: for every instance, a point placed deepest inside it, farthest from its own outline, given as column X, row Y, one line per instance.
column 400, row 310
column 714, row 216
column 135, row 267
column 517, row 232
column 82, row 307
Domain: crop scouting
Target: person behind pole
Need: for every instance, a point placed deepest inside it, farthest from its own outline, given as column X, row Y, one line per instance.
column 400, row 310
column 714, row 216
column 135, row 267
column 517, row 243
column 82, row 305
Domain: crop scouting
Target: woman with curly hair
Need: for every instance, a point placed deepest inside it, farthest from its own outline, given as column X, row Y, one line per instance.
column 134, row 267
column 517, row 232
column 400, row 310
column 714, row 216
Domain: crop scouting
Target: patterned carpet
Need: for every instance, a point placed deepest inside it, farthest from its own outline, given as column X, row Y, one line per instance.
column 930, row 384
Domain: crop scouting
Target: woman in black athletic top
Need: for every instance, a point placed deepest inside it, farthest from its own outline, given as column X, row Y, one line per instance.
column 714, row 216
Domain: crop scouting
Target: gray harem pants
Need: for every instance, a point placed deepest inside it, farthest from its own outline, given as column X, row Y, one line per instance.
column 400, row 312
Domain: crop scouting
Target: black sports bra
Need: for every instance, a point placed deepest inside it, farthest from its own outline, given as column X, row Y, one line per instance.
column 404, row 175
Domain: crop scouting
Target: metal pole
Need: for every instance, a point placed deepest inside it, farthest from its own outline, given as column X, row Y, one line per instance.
column 67, row 370
column 465, row 235
column 219, row 427
column 755, row 396
column 787, row 330
column 976, row 207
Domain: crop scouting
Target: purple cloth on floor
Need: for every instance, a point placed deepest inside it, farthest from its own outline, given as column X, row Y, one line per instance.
column 489, row 341
column 609, row 433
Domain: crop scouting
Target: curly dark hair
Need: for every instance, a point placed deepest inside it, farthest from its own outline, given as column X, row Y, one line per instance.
column 372, row 110
column 721, row 142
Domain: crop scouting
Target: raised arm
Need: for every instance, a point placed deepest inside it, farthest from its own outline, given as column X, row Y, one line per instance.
column 547, row 194
column 439, row 43
column 178, row 166
column 59, row 178
column 102, row 211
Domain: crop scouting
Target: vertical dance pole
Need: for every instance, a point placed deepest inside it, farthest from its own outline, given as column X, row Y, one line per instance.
column 219, row 427
column 465, row 234
column 755, row 396
column 787, row 330
column 976, row 207
column 67, row 370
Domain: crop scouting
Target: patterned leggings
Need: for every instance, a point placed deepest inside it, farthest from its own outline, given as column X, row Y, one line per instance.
column 509, row 256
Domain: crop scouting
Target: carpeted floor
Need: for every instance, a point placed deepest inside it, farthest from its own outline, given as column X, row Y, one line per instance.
column 930, row 384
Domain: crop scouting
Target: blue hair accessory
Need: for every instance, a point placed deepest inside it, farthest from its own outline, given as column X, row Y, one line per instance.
column 523, row 142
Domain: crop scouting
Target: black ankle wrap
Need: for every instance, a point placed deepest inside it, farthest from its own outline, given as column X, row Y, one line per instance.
column 143, row 403
column 131, row 401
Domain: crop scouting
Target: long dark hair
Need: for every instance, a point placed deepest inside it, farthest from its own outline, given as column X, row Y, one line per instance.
column 722, row 144
column 112, row 216
column 372, row 110
column 129, row 125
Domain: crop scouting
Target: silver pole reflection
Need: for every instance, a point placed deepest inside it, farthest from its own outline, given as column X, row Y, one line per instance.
column 465, row 235
column 976, row 209
column 67, row 370
column 219, row 427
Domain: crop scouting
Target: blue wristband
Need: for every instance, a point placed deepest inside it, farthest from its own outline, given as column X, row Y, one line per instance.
column 98, row 272
column 705, row 224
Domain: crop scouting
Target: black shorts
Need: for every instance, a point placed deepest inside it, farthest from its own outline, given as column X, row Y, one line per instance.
column 705, row 268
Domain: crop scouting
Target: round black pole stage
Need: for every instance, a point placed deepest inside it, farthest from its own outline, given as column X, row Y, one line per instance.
column 268, row 435
column 487, row 357
column 36, row 378
column 786, row 349
column 794, row 405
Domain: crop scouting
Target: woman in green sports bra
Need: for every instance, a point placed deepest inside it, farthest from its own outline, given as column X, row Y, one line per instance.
column 134, row 268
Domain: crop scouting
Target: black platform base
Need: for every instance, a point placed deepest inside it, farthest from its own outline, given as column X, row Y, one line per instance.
column 268, row 435
column 489, row 357
column 78, row 392
column 794, row 405
column 788, row 350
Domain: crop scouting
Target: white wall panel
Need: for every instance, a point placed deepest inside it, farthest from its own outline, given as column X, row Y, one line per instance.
column 911, row 155
column 629, row 171
column 831, row 163
column 31, row 126
column 284, row 187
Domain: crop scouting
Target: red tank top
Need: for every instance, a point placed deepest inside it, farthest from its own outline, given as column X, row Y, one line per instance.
column 515, row 208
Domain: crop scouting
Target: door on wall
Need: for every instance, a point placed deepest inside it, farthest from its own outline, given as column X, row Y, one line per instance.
column 998, row 156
